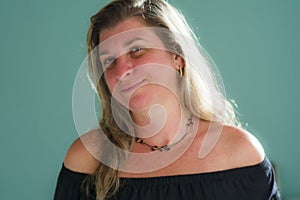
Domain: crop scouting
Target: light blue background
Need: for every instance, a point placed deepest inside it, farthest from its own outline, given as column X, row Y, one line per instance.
column 254, row 43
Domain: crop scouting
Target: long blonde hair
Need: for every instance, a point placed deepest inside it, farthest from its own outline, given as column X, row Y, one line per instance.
column 200, row 92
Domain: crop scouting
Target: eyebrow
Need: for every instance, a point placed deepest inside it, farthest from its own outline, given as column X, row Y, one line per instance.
column 126, row 44
column 132, row 41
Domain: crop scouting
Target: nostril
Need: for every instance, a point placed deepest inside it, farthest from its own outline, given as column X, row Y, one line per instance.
column 125, row 74
column 124, row 67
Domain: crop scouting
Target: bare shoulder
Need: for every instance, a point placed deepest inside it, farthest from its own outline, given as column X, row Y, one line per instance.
column 79, row 158
column 241, row 147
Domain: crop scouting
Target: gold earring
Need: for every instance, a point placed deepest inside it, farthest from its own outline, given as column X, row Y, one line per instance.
column 180, row 72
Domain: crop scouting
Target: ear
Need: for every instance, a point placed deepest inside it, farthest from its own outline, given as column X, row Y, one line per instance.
column 179, row 62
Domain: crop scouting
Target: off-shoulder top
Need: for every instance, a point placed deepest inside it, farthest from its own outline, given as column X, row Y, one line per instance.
column 256, row 182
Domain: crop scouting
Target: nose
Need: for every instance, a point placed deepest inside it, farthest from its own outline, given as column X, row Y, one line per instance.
column 124, row 66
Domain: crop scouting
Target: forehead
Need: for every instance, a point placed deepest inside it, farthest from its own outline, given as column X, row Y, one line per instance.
column 123, row 26
column 127, row 32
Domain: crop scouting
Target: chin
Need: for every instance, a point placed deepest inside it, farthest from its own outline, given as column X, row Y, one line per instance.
column 140, row 102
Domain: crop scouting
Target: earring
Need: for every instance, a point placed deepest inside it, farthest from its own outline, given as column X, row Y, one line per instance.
column 180, row 72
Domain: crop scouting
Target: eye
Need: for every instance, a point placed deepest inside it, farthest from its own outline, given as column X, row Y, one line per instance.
column 108, row 61
column 136, row 51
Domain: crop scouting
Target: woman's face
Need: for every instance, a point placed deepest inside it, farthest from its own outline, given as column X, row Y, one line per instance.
column 138, row 69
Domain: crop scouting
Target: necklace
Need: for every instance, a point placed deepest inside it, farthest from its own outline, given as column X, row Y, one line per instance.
column 167, row 147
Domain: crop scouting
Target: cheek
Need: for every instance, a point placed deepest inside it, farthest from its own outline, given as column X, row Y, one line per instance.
column 110, row 81
column 165, row 58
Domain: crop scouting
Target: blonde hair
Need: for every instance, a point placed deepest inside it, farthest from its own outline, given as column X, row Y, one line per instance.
column 200, row 91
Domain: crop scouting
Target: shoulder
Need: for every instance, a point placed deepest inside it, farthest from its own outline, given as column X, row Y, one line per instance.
column 241, row 148
column 79, row 157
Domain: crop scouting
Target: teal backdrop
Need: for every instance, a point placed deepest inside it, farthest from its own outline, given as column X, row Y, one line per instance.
column 255, row 45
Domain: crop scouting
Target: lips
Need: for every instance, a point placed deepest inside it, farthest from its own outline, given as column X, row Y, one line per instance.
column 132, row 87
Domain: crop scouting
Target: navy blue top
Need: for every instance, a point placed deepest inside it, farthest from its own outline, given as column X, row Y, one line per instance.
column 256, row 182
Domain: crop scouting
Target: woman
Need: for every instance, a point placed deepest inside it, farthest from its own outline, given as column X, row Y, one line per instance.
column 166, row 130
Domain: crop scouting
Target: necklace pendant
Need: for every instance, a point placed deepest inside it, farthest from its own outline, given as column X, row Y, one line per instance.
column 154, row 148
column 164, row 148
column 189, row 128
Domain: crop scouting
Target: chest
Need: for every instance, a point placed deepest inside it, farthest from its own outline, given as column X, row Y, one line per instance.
column 168, row 163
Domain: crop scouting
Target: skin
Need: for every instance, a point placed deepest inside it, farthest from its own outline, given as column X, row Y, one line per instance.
column 140, row 79
column 142, row 73
column 235, row 147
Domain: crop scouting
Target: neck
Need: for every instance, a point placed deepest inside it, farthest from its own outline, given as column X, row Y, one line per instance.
column 160, row 126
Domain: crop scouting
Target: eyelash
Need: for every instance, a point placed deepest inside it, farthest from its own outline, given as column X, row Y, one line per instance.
column 134, row 52
column 136, row 48
column 108, row 61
